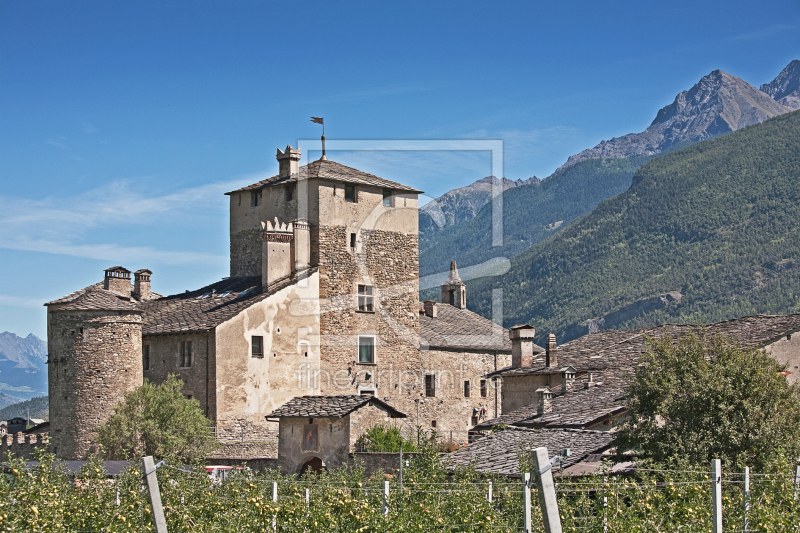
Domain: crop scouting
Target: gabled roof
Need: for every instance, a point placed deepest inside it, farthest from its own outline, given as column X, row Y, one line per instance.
column 499, row 452
column 333, row 171
column 330, row 406
column 92, row 298
column 461, row 329
column 223, row 300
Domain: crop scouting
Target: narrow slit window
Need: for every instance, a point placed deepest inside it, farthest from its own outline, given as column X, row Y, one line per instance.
column 466, row 389
column 387, row 197
column 146, row 357
column 366, row 349
column 483, row 388
column 257, row 346
column 350, row 193
column 289, row 193
column 430, row 385
column 254, row 198
column 186, row 354
column 365, row 298
column 352, row 240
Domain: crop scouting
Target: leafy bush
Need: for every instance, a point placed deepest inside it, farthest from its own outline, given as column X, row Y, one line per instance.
column 381, row 438
column 157, row 420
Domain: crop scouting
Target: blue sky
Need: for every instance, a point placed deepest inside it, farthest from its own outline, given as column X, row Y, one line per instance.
column 122, row 123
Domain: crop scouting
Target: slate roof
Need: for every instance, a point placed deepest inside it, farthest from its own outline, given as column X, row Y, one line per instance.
column 189, row 312
column 578, row 408
column 461, row 329
column 333, row 171
column 498, row 453
column 613, row 353
column 95, row 297
column 330, row 406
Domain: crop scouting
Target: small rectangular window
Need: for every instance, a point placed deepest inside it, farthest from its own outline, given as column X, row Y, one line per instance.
column 254, row 195
column 186, row 353
column 387, row 197
column 352, row 240
column 239, row 196
column 365, row 298
column 289, row 193
column 146, row 357
column 433, row 424
column 430, row 385
column 257, row 346
column 366, row 350
column 350, row 193
column 483, row 388
column 367, row 392
column 466, row 389
column 474, row 420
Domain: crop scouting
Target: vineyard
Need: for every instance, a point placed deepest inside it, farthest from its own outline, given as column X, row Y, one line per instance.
column 46, row 497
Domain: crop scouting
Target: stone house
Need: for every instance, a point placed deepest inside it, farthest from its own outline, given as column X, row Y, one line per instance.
column 319, row 431
column 580, row 384
column 322, row 299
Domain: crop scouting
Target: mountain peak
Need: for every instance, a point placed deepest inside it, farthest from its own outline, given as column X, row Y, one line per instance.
column 785, row 88
column 718, row 103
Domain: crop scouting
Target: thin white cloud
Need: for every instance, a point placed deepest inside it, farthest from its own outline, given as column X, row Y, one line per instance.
column 60, row 225
column 18, row 301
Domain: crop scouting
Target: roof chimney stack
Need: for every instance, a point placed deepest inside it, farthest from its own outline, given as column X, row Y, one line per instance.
column 141, row 284
column 288, row 161
column 118, row 279
column 430, row 308
column 521, row 345
column 543, row 397
column 552, row 356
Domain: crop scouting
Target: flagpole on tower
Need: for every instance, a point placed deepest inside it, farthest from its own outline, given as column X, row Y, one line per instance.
column 319, row 120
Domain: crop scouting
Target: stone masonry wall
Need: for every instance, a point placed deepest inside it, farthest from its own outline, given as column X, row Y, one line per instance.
column 389, row 261
column 165, row 359
column 246, row 253
column 95, row 357
column 21, row 445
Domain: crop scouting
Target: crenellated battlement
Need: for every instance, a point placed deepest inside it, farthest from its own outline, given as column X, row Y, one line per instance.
column 22, row 445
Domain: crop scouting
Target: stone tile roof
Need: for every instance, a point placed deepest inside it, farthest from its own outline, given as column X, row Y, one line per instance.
column 578, row 408
column 333, row 171
column 191, row 311
column 92, row 298
column 498, row 453
column 330, row 406
column 613, row 353
column 611, row 356
column 461, row 329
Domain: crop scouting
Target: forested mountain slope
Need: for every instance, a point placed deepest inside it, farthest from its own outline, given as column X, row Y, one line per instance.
column 718, row 222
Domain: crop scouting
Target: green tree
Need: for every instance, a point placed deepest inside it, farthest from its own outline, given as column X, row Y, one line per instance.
column 157, row 420
column 703, row 398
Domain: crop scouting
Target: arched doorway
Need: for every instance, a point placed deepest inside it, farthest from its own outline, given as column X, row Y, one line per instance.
column 314, row 464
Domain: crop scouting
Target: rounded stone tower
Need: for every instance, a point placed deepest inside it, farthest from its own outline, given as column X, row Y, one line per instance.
column 94, row 357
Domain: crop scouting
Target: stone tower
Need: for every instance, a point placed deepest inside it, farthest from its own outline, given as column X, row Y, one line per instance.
column 94, row 340
column 454, row 292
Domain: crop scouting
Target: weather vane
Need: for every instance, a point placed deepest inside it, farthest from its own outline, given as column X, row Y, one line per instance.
column 318, row 120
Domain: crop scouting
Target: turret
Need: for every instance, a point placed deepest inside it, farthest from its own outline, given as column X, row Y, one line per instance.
column 454, row 292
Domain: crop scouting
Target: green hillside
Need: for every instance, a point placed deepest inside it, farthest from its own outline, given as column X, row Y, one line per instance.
column 718, row 221
column 37, row 407
column 530, row 213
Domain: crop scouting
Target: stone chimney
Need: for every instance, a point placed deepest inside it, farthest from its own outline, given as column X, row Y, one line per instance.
column 567, row 378
column 551, row 355
column 543, row 397
column 141, row 284
column 521, row 345
column 301, row 250
column 454, row 292
column 276, row 252
column 288, row 161
column 589, row 383
column 430, row 308
column 118, row 279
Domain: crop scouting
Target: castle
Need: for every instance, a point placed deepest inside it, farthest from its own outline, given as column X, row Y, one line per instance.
column 322, row 299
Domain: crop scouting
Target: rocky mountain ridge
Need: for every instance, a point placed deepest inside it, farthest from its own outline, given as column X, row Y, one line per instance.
column 719, row 103
column 785, row 88
column 464, row 203
column 23, row 367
